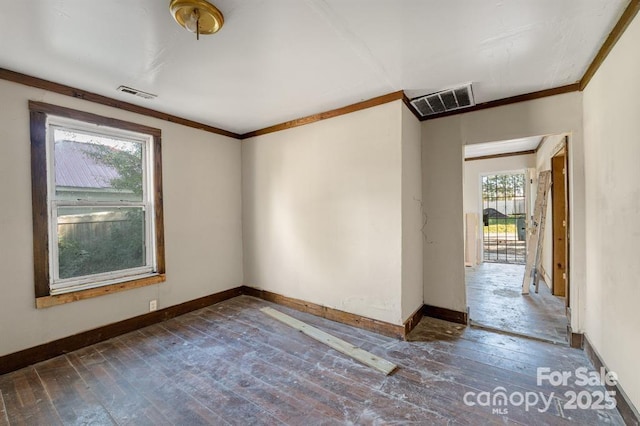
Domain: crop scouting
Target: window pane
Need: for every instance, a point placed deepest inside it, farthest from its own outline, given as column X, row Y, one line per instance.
column 91, row 167
column 95, row 240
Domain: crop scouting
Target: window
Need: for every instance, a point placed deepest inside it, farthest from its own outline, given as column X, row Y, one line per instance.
column 97, row 204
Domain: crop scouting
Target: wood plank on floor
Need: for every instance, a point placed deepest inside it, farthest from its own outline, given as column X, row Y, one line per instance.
column 340, row 345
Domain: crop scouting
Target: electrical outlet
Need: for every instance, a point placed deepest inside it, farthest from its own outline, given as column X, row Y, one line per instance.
column 153, row 305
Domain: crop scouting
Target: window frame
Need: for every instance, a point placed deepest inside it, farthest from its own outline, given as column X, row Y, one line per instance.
column 44, row 219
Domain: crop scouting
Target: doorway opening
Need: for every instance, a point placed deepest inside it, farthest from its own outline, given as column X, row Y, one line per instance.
column 499, row 199
column 504, row 210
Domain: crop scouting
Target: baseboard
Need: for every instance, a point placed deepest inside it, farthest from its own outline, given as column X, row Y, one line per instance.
column 381, row 327
column 626, row 408
column 446, row 314
column 576, row 340
column 413, row 320
column 26, row 357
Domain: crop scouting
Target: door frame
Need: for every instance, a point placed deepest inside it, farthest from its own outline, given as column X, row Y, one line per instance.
column 562, row 150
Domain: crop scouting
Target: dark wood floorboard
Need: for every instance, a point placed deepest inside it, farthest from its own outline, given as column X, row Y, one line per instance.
column 495, row 300
column 74, row 401
column 230, row 364
column 26, row 400
column 4, row 417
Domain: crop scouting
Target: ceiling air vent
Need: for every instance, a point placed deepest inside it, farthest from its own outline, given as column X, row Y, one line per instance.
column 136, row 92
column 444, row 101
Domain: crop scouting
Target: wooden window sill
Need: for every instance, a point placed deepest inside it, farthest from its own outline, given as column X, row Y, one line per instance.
column 48, row 301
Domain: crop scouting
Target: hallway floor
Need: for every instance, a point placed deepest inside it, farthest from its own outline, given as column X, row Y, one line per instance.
column 495, row 300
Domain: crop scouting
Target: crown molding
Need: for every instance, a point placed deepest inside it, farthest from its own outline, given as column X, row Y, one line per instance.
column 62, row 89
column 627, row 17
column 390, row 97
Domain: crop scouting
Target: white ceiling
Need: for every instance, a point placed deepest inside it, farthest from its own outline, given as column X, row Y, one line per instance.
column 501, row 147
column 278, row 60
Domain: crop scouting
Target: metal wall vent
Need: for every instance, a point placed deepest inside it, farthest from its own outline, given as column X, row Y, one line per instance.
column 443, row 101
column 136, row 92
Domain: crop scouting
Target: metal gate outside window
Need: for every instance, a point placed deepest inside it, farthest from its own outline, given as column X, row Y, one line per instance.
column 504, row 217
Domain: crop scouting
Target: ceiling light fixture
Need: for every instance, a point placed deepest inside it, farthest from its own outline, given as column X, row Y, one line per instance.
column 197, row 16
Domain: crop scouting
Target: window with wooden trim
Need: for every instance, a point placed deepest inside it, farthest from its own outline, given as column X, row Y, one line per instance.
column 97, row 204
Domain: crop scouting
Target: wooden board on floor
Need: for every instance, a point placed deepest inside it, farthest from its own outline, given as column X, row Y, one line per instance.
column 340, row 345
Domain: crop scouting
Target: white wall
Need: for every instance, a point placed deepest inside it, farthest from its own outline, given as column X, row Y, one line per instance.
column 412, row 221
column 202, row 206
column 474, row 169
column 442, row 141
column 612, row 153
column 322, row 212
column 442, row 191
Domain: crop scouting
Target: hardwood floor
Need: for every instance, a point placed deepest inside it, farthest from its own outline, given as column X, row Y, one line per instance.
column 231, row 364
column 495, row 300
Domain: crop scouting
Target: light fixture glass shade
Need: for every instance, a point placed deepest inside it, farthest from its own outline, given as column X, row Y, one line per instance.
column 191, row 23
column 207, row 17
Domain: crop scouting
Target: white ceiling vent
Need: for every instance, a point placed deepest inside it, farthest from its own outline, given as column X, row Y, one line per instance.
column 444, row 101
column 136, row 92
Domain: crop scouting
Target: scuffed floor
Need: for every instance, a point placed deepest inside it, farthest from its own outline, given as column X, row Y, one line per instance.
column 495, row 300
column 231, row 364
